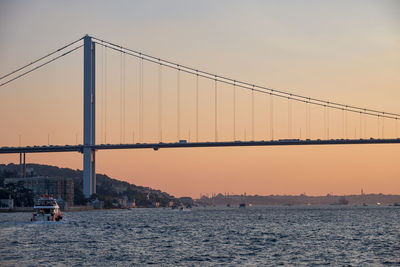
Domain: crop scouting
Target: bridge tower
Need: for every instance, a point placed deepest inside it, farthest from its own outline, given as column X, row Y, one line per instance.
column 89, row 112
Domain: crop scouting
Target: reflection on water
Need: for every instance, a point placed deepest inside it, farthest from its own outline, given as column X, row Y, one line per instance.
column 213, row 236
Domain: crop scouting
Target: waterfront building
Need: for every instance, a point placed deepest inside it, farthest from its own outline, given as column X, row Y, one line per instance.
column 58, row 187
column 6, row 204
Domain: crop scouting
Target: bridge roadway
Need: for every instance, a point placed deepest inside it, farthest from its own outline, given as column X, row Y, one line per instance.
column 185, row 144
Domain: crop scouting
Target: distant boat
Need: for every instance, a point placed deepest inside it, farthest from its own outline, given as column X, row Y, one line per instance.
column 242, row 205
column 364, row 204
column 228, row 205
column 396, row 204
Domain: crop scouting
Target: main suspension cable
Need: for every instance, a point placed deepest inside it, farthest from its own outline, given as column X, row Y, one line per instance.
column 41, row 65
column 213, row 76
column 261, row 89
column 39, row 59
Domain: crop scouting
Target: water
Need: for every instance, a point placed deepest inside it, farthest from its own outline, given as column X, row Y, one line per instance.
column 367, row 236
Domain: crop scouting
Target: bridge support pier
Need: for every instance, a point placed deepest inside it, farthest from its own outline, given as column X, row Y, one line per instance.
column 89, row 112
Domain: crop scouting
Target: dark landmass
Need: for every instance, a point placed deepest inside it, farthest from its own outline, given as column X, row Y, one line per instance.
column 109, row 190
column 364, row 199
column 112, row 192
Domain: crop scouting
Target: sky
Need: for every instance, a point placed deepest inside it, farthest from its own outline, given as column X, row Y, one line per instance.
column 343, row 51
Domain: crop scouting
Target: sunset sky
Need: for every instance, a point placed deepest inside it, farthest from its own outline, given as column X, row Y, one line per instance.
column 343, row 51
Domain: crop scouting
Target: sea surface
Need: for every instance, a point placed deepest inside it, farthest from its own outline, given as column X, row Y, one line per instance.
column 256, row 236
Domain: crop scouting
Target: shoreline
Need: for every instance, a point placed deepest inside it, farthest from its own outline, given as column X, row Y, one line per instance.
column 224, row 207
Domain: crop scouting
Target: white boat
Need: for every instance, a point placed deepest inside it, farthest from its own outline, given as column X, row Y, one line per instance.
column 46, row 209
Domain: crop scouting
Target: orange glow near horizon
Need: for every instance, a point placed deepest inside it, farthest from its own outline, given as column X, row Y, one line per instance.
column 258, row 170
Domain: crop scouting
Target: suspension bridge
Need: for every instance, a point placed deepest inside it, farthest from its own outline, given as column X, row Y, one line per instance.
column 240, row 126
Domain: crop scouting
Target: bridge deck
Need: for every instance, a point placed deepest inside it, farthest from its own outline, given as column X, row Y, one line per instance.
column 184, row 144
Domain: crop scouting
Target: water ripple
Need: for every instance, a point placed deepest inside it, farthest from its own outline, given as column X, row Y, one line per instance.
column 344, row 236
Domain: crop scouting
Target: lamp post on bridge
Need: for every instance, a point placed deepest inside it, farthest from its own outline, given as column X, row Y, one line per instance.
column 89, row 112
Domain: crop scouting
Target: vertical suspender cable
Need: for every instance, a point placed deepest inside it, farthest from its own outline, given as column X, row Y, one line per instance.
column 306, row 132
column 142, row 105
column 160, row 103
column 133, row 118
column 346, row 125
column 124, row 100
column 379, row 126
column 266, row 116
column 325, row 132
column 252, row 114
column 343, row 136
column 105, row 95
column 140, row 98
column 197, row 108
column 271, row 116
column 365, row 125
column 101, row 95
column 120, row 101
column 360, row 125
column 216, row 110
column 383, row 127
column 234, row 111
column 328, row 124
column 178, row 105
column 292, row 117
column 307, row 119
column 289, row 118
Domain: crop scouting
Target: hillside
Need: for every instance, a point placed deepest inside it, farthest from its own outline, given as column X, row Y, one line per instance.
column 109, row 190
